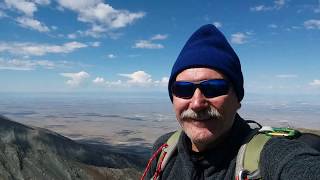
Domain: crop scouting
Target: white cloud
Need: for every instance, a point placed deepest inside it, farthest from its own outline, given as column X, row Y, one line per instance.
column 274, row 26
column 286, row 76
column 98, row 80
column 144, row 44
column 101, row 16
column 280, row 3
column 72, row 36
column 25, row 65
column 111, row 56
column 103, row 83
column 39, row 49
column 315, row 82
column 138, row 77
column 42, row 2
column 239, row 38
column 33, row 24
column 27, row 7
column 114, row 83
column 217, row 24
column 2, row 14
column 163, row 82
column 135, row 79
column 159, row 37
column 141, row 78
column 260, row 8
column 317, row 9
column 76, row 79
column 95, row 31
column 277, row 4
column 312, row 24
column 23, row 6
column 95, row 44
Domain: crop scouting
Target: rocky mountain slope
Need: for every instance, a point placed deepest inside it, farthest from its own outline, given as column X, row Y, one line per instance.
column 35, row 153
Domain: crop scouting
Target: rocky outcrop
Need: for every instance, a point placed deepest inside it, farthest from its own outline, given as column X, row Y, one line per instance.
column 34, row 153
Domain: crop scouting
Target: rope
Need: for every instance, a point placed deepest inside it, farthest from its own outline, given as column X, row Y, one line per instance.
column 154, row 155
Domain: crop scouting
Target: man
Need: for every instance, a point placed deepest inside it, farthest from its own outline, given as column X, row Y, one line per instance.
column 206, row 88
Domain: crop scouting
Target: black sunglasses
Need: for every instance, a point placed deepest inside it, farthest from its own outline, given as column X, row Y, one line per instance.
column 209, row 88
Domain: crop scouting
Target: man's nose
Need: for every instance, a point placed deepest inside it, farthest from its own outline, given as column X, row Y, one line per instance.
column 198, row 101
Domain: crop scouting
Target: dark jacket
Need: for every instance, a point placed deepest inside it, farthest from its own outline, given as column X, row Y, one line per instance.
column 280, row 158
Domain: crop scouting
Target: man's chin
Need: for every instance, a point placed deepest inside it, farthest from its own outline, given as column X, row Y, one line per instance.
column 202, row 137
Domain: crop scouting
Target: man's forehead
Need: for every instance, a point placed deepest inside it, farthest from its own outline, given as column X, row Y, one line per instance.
column 198, row 74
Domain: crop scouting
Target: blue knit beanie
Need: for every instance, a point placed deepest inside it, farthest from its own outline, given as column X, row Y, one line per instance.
column 208, row 48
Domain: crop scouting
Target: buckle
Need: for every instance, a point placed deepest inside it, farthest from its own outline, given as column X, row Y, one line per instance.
column 243, row 175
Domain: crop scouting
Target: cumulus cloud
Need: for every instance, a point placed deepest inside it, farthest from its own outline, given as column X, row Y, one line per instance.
column 138, row 77
column 317, row 9
column 163, row 82
column 39, row 49
column 100, row 15
column 135, row 79
column 149, row 44
column 277, row 4
column 95, row 44
column 312, row 24
column 95, row 31
column 111, row 56
column 141, row 78
column 33, row 24
column 286, row 76
column 25, row 7
column 25, row 65
column 72, row 36
column 280, row 3
column 274, row 26
column 315, row 82
column 42, row 2
column 76, row 79
column 239, row 38
column 261, row 8
column 145, row 44
column 98, row 80
column 2, row 14
column 217, row 24
column 159, row 37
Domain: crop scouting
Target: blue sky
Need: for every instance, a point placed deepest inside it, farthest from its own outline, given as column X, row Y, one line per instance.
column 96, row 45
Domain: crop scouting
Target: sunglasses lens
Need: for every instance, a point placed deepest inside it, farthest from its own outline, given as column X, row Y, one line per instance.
column 183, row 89
column 214, row 88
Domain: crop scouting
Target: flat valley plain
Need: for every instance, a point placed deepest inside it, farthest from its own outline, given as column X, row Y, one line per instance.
column 137, row 119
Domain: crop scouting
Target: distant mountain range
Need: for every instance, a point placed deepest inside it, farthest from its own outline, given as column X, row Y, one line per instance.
column 35, row 153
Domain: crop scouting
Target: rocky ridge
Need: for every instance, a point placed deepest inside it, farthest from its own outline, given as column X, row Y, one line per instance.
column 35, row 153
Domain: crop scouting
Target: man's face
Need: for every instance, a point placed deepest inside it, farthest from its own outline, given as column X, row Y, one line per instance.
column 202, row 131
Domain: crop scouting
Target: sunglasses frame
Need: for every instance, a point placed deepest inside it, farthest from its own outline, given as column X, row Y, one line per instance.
column 200, row 85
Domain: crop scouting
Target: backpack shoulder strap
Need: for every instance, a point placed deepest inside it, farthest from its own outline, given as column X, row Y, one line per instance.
column 248, row 157
column 169, row 148
column 247, row 163
column 172, row 143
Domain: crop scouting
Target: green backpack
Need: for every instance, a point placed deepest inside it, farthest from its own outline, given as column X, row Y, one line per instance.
column 247, row 162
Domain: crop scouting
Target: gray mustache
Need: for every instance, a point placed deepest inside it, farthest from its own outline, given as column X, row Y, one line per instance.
column 209, row 113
